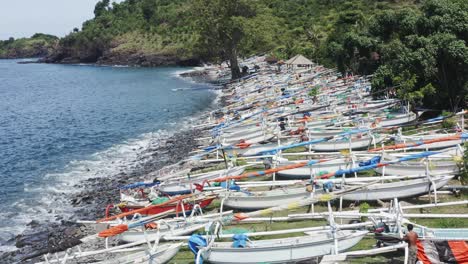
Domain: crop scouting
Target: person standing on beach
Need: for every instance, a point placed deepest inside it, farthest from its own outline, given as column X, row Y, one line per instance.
column 412, row 238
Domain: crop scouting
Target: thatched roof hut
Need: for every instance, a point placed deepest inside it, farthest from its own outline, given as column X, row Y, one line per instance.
column 299, row 60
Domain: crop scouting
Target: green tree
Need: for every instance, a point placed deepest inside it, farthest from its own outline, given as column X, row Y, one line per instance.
column 220, row 25
column 101, row 7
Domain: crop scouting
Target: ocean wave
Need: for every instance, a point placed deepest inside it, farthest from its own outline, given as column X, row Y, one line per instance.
column 48, row 201
column 48, row 198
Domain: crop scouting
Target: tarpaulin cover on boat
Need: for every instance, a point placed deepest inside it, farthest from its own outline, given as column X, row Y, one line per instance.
column 195, row 241
column 434, row 251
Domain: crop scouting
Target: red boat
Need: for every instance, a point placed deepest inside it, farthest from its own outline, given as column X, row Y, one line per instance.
column 187, row 206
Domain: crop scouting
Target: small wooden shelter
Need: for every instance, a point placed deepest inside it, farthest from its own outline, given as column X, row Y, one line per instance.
column 299, row 61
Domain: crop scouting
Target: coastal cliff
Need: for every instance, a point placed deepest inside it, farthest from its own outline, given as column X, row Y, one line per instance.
column 131, row 49
column 39, row 45
column 145, row 33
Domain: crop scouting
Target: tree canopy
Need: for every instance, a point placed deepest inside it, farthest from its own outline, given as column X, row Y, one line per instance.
column 221, row 26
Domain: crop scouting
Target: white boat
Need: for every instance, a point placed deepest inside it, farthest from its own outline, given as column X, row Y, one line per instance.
column 377, row 191
column 163, row 254
column 174, row 229
column 321, row 133
column 345, row 144
column 283, row 250
column 228, row 139
column 264, row 199
column 397, row 120
column 305, row 172
column 435, row 145
column 419, row 168
column 400, row 189
column 370, row 105
column 255, row 149
column 185, row 186
column 199, row 176
column 239, row 131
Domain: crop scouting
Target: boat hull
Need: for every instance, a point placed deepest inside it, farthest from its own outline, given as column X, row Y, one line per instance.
column 253, row 202
column 417, row 168
column 305, row 172
column 134, row 236
column 345, row 145
column 284, row 250
column 402, row 189
column 163, row 255
column 187, row 186
column 161, row 209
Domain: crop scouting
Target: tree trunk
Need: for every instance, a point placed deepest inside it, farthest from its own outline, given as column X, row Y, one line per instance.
column 235, row 71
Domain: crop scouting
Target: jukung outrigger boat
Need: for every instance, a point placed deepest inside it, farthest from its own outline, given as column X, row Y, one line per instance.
column 284, row 250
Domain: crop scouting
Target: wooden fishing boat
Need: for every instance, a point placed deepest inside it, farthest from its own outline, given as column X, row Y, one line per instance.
column 453, row 234
column 255, row 149
column 306, row 172
column 179, row 207
column 264, row 199
column 377, row 191
column 397, row 120
column 321, row 133
column 434, row 145
column 400, row 189
column 185, row 185
column 254, row 140
column 346, row 144
column 376, row 105
column 244, row 130
column 284, row 250
column 163, row 254
column 390, row 234
column 231, row 139
column 178, row 228
column 419, row 168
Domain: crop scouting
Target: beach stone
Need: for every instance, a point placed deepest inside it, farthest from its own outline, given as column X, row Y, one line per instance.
column 31, row 238
column 33, row 223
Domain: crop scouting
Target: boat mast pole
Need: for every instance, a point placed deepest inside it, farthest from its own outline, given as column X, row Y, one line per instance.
column 224, row 157
column 432, row 183
column 463, row 121
column 333, row 228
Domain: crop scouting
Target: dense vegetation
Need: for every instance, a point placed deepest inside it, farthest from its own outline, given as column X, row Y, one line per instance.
column 415, row 49
column 36, row 46
column 422, row 52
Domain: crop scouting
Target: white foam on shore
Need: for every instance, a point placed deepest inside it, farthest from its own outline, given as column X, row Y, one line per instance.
column 50, row 198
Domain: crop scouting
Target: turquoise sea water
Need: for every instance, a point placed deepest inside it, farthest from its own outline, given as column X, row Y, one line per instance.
column 60, row 124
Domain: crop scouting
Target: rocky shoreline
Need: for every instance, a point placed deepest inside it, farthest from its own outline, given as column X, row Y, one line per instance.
column 122, row 59
column 90, row 203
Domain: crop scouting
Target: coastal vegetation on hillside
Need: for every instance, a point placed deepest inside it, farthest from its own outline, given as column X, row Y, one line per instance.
column 38, row 45
column 416, row 50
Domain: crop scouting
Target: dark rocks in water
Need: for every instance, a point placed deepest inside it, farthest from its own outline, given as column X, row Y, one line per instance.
column 33, row 224
column 31, row 238
column 28, row 62
column 194, row 73
column 43, row 238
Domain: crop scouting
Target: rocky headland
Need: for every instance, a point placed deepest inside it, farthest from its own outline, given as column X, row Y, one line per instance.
column 39, row 45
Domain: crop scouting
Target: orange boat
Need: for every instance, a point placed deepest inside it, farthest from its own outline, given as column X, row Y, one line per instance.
column 179, row 207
